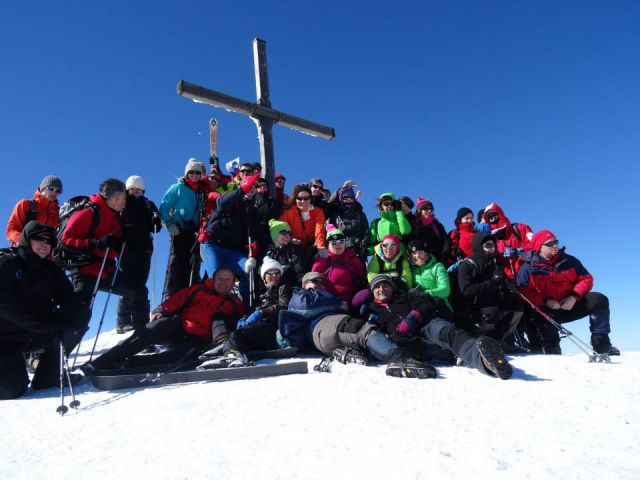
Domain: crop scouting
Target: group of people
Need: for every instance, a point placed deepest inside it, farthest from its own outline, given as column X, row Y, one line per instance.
column 305, row 269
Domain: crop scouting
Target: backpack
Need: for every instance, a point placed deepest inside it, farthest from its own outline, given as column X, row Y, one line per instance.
column 68, row 257
column 31, row 213
column 455, row 296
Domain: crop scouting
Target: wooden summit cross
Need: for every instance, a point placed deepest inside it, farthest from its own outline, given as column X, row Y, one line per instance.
column 261, row 112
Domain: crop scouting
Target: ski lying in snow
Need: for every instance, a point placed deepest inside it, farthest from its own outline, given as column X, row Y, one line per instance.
column 117, row 381
column 287, row 352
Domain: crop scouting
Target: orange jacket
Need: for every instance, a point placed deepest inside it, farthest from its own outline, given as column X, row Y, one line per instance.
column 310, row 232
column 46, row 213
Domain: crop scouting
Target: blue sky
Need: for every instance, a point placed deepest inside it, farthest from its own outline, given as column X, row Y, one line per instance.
column 533, row 105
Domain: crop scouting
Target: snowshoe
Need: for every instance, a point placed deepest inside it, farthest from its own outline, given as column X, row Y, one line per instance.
column 493, row 358
column 350, row 355
column 410, row 368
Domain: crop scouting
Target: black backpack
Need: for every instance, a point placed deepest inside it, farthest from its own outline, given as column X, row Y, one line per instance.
column 73, row 257
column 456, row 299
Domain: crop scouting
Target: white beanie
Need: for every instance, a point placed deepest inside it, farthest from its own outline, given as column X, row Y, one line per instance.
column 194, row 164
column 269, row 264
column 135, row 181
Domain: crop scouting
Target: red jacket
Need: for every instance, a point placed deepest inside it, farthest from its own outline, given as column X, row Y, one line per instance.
column 46, row 213
column 346, row 273
column 462, row 237
column 556, row 278
column 197, row 305
column 77, row 234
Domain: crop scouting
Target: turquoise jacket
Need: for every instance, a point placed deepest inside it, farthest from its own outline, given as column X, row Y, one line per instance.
column 181, row 205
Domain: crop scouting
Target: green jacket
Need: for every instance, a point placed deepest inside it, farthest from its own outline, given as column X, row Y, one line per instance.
column 389, row 223
column 433, row 279
column 398, row 267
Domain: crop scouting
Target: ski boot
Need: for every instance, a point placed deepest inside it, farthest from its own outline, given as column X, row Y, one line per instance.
column 232, row 359
column 410, row 368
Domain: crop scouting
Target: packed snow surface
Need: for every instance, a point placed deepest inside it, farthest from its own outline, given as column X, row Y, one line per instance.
column 558, row 417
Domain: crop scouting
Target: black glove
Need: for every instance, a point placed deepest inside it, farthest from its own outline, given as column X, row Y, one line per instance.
column 499, row 277
column 104, row 242
column 397, row 205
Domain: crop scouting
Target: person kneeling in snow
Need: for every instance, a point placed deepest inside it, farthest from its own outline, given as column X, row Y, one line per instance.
column 317, row 318
column 185, row 320
column 37, row 307
column 402, row 316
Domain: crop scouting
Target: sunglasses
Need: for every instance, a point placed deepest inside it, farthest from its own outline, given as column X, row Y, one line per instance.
column 194, row 172
column 388, row 245
column 348, row 199
column 246, row 171
column 262, row 185
column 387, row 204
column 317, row 186
column 273, row 273
column 279, row 180
column 489, row 245
column 284, row 232
column 550, row 244
column 340, row 241
column 54, row 189
column 303, row 199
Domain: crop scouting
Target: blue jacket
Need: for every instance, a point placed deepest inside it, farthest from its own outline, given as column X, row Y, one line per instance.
column 181, row 205
column 306, row 308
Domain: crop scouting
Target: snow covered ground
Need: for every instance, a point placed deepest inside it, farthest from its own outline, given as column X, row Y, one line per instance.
column 559, row 417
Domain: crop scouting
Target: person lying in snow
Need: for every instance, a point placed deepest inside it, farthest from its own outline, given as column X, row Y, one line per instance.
column 187, row 320
column 316, row 318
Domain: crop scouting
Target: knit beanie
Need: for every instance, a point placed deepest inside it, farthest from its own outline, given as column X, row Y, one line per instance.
column 394, row 238
column 416, row 246
column 462, row 212
column 193, row 164
column 270, row 264
column 50, row 181
column 387, row 194
column 378, row 279
column 134, row 181
column 332, row 231
column 422, row 203
column 541, row 237
column 407, row 201
column 346, row 192
column 275, row 227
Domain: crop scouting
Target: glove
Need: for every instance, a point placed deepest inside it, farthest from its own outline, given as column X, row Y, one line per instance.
column 249, row 265
column 173, row 229
column 157, row 222
column 552, row 304
column 256, row 316
column 568, row 303
column 242, row 322
column 397, row 205
column 322, row 253
column 108, row 241
column 347, row 184
column 410, row 323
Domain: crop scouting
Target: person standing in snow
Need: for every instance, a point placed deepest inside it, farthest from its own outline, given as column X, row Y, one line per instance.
column 141, row 221
column 561, row 286
column 42, row 208
column 181, row 209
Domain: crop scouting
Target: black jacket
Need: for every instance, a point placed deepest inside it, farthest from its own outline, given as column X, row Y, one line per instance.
column 140, row 219
column 272, row 300
column 481, row 278
column 389, row 316
column 293, row 261
column 31, row 290
column 438, row 242
column 353, row 223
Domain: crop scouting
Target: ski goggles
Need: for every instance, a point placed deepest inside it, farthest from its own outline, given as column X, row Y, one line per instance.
column 551, row 243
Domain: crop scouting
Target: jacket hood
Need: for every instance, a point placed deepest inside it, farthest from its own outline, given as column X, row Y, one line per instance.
column 34, row 229
column 494, row 207
column 476, row 244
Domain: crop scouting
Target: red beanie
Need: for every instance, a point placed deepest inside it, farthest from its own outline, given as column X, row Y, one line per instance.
column 423, row 202
column 393, row 238
column 541, row 237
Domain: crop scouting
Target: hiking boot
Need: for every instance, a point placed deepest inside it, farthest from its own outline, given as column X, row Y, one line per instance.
column 493, row 359
column 410, row 368
column 232, row 359
column 122, row 329
column 350, row 355
column 601, row 344
column 38, row 384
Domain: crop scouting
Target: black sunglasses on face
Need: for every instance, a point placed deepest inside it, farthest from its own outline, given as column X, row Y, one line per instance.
column 246, row 171
column 303, row 199
column 54, row 189
column 387, row 204
column 550, row 244
column 194, row 172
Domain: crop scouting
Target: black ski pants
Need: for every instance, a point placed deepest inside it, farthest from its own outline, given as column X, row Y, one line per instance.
column 165, row 330
column 257, row 336
column 183, row 268
column 135, row 272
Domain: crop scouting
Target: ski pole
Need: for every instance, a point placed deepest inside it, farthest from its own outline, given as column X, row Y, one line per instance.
column 106, row 303
column 96, row 287
column 578, row 342
column 154, row 258
column 74, row 403
column 62, row 408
